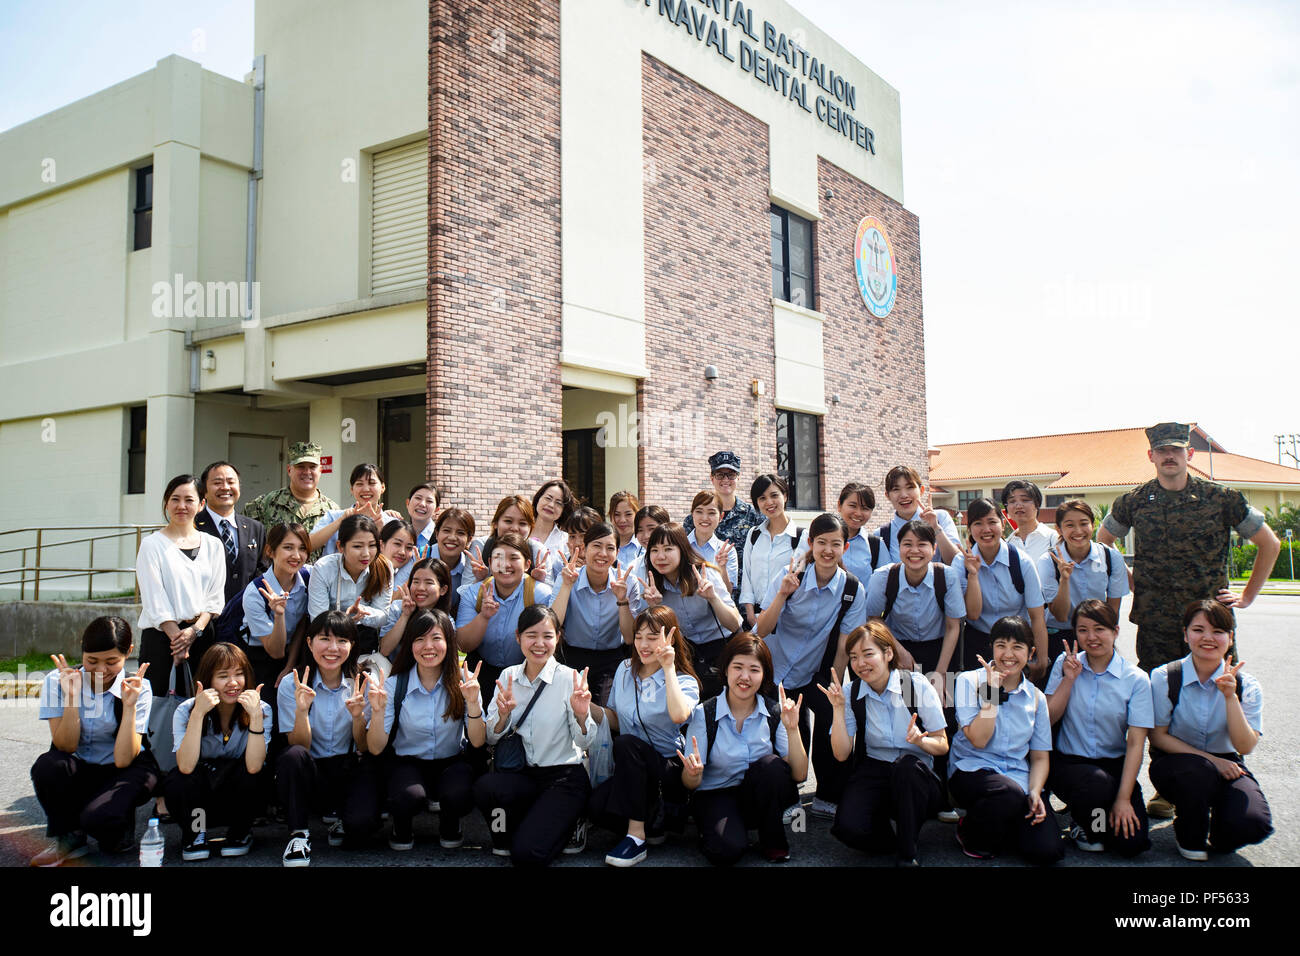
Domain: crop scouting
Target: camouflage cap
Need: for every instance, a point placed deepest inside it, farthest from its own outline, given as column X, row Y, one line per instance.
column 725, row 459
column 304, row 451
column 1169, row 434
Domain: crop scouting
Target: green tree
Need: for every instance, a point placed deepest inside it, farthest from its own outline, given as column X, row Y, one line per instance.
column 1287, row 517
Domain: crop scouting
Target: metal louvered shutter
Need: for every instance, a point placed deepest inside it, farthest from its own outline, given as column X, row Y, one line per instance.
column 399, row 218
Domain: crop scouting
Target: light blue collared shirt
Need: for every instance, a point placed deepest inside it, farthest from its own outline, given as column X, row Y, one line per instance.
column 98, row 714
column 211, row 746
column 259, row 623
column 642, row 707
column 725, row 765
column 802, row 632
column 710, row 548
column 630, row 553
column 460, row 574
column 1102, row 707
column 334, row 514
column 857, row 556
column 332, row 588
column 698, row 623
column 1201, row 719
column 331, row 724
column 422, row 731
column 424, row 539
column 1088, row 580
column 946, row 528
column 554, row 560
column 1022, row 725
column 888, row 718
column 999, row 594
column 500, row 647
column 591, row 618
column 915, row 615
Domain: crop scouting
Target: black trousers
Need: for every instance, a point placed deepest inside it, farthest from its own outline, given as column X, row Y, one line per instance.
column 925, row 653
column 973, row 644
column 215, row 792
column 532, row 812
column 601, row 667
column 831, row 774
column 1231, row 813
column 346, row 785
column 704, row 658
column 412, row 782
column 98, row 799
column 724, row 816
column 995, row 817
column 905, row 791
column 1057, row 641
column 641, row 773
column 155, row 650
column 1089, row 787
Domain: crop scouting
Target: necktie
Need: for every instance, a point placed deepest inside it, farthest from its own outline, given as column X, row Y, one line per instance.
column 228, row 541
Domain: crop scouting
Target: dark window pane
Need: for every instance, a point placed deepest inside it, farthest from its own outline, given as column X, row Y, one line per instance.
column 778, row 253
column 800, row 245
column 778, row 224
column 807, row 469
column 778, row 284
column 135, row 452
column 143, row 229
column 801, row 292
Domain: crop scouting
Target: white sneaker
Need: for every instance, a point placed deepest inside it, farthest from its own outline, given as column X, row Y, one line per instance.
column 787, row 818
column 434, row 806
column 951, row 816
column 1199, row 856
column 577, row 842
column 822, row 808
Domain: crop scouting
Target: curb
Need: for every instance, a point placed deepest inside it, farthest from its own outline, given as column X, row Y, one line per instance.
column 14, row 689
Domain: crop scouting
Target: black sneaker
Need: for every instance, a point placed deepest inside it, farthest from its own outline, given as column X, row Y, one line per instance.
column 298, row 850
column 237, row 845
column 197, row 848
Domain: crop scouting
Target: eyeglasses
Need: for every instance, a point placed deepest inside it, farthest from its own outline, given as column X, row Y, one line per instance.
column 724, row 476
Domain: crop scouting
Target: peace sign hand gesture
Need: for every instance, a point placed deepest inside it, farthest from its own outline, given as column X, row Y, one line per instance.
column 692, row 765
column 1064, row 568
column 539, row 572
column 652, row 595
column 506, row 696
column 356, row 704
column 251, row 701
column 580, row 701
column 790, row 580
column 476, row 564
column 69, row 680
column 303, row 694
column 1227, row 681
column 618, row 583
column 991, row 674
column 204, row 700
column 835, row 692
column 914, row 733
column 402, row 596
column 378, row 694
column 789, row 709
column 928, row 514
column 665, row 656
column 704, row 585
column 276, row 602
column 355, row 611
column 1071, row 667
column 723, row 553
column 131, row 687
column 569, row 572
column 469, row 688
column 490, row 603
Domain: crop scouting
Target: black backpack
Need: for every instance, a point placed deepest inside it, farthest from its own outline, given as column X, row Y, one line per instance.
column 711, row 722
column 798, row 533
column 893, row 579
column 851, row 585
column 859, row 705
column 1174, row 673
column 1057, row 568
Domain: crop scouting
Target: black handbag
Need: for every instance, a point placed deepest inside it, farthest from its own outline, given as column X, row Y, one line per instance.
column 509, row 754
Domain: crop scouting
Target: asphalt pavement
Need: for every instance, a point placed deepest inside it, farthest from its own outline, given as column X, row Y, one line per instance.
column 1264, row 638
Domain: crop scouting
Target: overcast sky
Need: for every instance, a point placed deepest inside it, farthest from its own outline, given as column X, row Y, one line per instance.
column 1107, row 191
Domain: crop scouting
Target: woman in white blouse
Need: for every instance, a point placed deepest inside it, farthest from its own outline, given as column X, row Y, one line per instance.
column 532, row 811
column 182, row 578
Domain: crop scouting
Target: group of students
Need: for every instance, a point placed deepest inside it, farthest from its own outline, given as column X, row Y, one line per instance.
column 415, row 667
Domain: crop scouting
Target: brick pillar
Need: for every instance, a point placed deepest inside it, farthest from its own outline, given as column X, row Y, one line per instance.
column 494, row 397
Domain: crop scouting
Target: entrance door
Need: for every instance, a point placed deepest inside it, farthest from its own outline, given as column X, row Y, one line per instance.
column 584, row 466
column 260, row 460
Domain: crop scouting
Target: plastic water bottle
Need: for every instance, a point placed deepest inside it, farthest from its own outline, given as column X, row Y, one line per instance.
column 151, row 847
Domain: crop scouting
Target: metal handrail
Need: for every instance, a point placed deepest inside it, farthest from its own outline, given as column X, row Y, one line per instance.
column 89, row 571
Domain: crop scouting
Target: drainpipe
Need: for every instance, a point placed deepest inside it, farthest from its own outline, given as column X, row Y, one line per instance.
column 254, row 177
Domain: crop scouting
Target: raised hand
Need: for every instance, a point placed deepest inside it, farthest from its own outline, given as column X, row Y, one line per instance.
column 275, row 601
column 131, row 687
column 378, row 695
column 652, row 595
column 618, row 582
column 356, row 704
column 251, row 701
column 355, row 611
column 569, row 571
column 303, row 694
column 991, row 674
column 469, row 688
column 539, row 566
column 703, row 584
column 789, row 710
column 914, row 733
column 1064, row 568
column 835, row 692
column 1072, row 667
column 1227, row 681
column 204, row 700
column 971, row 559
column 790, row 581
column 723, row 553
column 69, row 680
column 490, row 603
column 692, row 765
column 928, row 514
column 665, row 656
column 580, row 700
column 476, row 564
column 506, row 696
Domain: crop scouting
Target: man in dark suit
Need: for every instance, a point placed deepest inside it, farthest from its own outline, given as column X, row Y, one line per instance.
column 243, row 539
